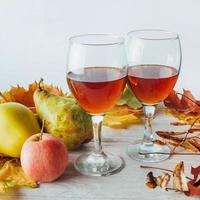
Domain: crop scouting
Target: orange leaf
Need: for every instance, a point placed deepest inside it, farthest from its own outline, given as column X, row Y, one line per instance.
column 25, row 96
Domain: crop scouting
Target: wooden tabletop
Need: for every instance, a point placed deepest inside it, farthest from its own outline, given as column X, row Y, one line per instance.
column 129, row 184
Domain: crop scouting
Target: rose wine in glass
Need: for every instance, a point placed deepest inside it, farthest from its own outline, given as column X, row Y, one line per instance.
column 96, row 76
column 154, row 59
column 152, row 83
column 98, row 88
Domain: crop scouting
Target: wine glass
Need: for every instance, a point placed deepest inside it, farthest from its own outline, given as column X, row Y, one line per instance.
column 154, row 62
column 96, row 76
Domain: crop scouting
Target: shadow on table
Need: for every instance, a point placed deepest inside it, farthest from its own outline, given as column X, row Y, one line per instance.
column 12, row 194
column 70, row 173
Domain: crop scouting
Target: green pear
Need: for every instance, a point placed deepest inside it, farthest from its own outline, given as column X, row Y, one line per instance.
column 64, row 118
column 17, row 123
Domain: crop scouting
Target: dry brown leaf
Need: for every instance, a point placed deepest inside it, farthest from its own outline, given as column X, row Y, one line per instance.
column 12, row 175
column 179, row 123
column 151, row 181
column 179, row 181
column 186, row 145
column 159, row 142
column 186, row 108
column 187, row 104
column 191, row 144
column 195, row 142
column 188, row 186
column 168, row 135
column 161, row 181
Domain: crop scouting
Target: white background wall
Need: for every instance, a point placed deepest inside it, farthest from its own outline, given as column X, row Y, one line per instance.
column 33, row 33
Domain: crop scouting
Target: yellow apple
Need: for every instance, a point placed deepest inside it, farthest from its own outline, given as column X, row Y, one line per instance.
column 17, row 123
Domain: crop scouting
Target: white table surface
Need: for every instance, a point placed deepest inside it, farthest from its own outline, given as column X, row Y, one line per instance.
column 129, row 184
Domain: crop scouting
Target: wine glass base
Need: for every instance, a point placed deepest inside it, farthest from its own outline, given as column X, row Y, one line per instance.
column 135, row 152
column 93, row 164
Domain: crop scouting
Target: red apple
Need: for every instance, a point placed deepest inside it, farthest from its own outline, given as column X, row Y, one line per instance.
column 45, row 159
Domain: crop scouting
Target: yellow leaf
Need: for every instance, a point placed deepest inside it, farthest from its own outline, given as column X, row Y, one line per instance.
column 188, row 118
column 122, row 117
column 12, row 175
column 122, row 121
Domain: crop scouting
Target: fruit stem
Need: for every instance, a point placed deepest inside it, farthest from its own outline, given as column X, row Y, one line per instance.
column 4, row 97
column 39, row 84
column 42, row 129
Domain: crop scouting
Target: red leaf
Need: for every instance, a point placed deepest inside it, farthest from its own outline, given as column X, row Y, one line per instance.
column 188, row 100
column 187, row 104
column 193, row 191
column 173, row 101
column 195, row 171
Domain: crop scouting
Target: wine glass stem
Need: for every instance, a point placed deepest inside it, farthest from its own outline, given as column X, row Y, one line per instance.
column 97, row 125
column 149, row 112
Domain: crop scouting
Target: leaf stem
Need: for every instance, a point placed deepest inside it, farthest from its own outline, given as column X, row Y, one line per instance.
column 171, row 153
column 151, row 167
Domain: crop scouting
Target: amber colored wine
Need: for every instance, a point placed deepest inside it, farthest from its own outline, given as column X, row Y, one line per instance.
column 152, row 83
column 97, row 88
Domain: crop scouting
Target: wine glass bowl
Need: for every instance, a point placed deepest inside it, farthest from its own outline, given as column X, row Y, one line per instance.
column 98, row 88
column 96, row 76
column 152, row 83
column 154, row 61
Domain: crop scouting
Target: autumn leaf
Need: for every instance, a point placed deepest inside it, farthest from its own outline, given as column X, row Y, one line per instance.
column 126, row 112
column 179, row 123
column 186, row 108
column 122, row 117
column 25, row 96
column 12, row 175
column 159, row 142
column 179, row 180
column 151, row 181
column 161, row 181
column 194, row 184
column 129, row 99
column 173, row 101
column 195, row 171
column 190, row 144
column 187, row 103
